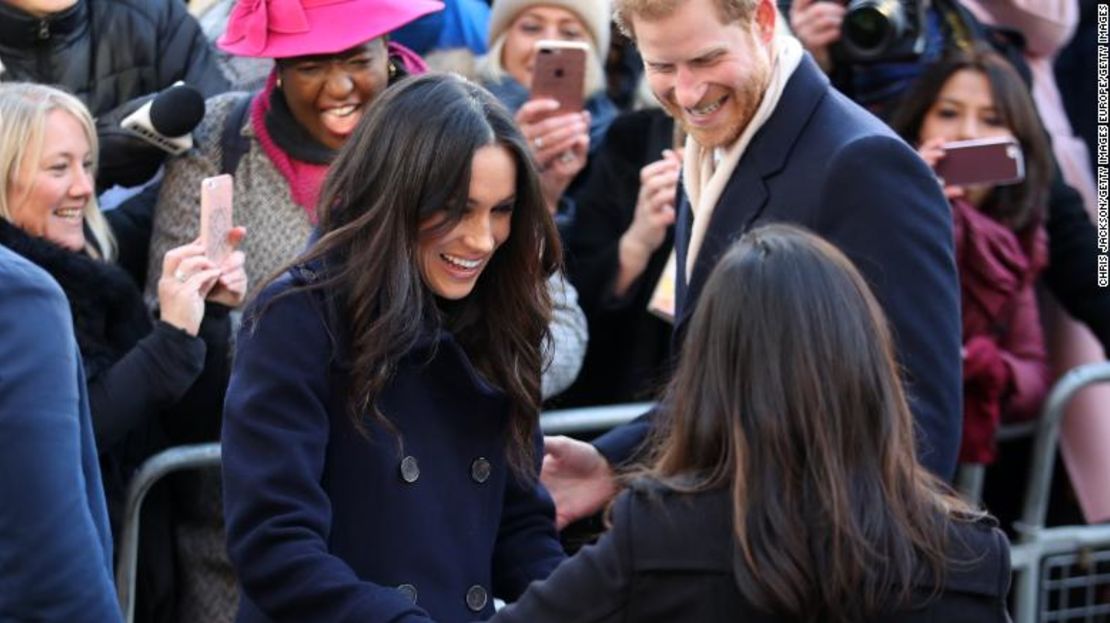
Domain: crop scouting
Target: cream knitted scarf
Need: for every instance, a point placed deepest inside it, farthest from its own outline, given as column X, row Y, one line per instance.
column 705, row 174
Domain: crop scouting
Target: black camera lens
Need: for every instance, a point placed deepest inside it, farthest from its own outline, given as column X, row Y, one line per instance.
column 868, row 29
column 873, row 27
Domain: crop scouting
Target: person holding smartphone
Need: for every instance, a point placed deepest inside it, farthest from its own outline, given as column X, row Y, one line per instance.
column 151, row 383
column 562, row 141
column 381, row 433
column 1000, row 239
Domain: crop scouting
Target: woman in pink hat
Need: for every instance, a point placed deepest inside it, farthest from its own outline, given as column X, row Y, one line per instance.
column 333, row 59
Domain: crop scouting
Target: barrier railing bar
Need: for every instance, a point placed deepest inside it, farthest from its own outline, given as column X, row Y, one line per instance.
column 152, row 470
column 555, row 422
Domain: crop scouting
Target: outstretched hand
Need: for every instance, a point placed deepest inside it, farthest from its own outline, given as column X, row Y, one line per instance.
column 578, row 477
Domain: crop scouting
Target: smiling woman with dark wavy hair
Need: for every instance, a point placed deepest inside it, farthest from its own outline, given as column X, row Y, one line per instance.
column 785, row 485
column 381, row 438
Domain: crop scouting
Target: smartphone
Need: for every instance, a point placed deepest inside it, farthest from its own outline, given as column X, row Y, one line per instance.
column 559, row 73
column 978, row 162
column 215, row 216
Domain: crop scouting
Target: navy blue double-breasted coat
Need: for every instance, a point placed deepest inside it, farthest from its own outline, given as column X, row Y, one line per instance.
column 327, row 524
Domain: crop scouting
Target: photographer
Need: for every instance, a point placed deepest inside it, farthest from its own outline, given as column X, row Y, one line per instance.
column 878, row 82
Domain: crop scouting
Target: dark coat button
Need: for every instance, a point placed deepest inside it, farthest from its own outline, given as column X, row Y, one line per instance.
column 480, row 470
column 408, row 590
column 476, row 598
column 410, row 469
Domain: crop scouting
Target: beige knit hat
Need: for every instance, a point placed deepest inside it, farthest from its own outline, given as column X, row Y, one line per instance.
column 595, row 14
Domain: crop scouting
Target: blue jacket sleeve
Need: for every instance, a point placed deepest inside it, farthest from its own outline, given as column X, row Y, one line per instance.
column 275, row 437
column 897, row 228
column 620, row 445
column 55, row 549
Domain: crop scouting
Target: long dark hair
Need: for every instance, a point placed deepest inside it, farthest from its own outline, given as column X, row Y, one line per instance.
column 787, row 393
column 409, row 159
column 1016, row 206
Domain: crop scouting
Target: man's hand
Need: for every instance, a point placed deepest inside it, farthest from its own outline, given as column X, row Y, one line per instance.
column 578, row 477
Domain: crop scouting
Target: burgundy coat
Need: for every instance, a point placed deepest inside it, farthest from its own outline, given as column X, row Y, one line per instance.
column 1005, row 370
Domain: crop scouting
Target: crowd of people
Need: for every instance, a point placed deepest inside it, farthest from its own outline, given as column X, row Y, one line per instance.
column 424, row 256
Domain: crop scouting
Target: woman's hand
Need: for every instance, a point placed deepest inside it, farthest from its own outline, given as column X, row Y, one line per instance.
column 655, row 212
column 231, row 287
column 655, row 204
column 932, row 152
column 559, row 144
column 187, row 277
column 816, row 23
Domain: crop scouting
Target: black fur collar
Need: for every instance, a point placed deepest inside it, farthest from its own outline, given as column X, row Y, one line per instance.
column 108, row 312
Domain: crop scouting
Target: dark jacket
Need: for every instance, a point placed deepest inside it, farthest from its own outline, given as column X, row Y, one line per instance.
column 326, row 523
column 108, row 53
column 628, row 351
column 822, row 162
column 1072, row 273
column 55, row 545
column 150, row 386
column 670, row 558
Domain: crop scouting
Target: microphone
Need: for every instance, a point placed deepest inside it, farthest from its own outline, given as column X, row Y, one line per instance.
column 167, row 120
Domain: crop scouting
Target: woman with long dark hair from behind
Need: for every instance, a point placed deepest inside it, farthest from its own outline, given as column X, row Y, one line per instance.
column 381, row 439
column 789, row 437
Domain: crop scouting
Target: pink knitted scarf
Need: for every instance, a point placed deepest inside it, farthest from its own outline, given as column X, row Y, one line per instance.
column 304, row 178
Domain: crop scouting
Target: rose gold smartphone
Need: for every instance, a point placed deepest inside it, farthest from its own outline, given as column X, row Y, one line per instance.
column 985, row 161
column 559, row 73
column 215, row 216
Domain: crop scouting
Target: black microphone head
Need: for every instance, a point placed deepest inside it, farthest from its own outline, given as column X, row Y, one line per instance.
column 177, row 110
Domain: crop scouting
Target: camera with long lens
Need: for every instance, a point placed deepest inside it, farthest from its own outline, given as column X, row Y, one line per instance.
column 882, row 30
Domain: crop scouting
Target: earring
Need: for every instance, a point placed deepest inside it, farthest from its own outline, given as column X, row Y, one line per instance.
column 392, row 70
column 279, row 82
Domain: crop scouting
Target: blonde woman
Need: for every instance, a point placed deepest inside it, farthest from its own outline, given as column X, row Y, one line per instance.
column 560, row 144
column 145, row 377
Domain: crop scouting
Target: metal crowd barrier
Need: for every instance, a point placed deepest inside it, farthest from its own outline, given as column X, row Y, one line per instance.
column 152, row 470
column 558, row 422
column 1043, row 558
column 1060, row 573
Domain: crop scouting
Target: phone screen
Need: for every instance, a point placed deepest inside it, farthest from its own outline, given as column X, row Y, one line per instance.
column 216, row 216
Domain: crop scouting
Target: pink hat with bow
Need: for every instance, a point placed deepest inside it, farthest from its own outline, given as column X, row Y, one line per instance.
column 284, row 28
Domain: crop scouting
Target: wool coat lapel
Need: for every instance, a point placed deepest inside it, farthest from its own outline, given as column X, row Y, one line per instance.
column 748, row 192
